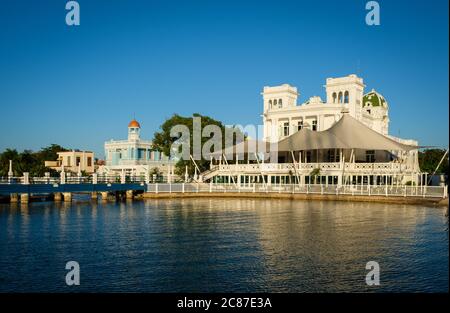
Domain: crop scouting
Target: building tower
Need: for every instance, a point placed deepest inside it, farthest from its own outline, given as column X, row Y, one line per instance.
column 347, row 91
column 276, row 99
column 279, row 97
column 134, row 129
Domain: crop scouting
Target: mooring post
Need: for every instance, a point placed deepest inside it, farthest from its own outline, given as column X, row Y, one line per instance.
column 26, row 178
column 122, row 177
column 10, row 172
column 62, row 177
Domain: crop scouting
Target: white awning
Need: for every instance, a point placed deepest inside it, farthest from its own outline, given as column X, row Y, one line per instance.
column 347, row 133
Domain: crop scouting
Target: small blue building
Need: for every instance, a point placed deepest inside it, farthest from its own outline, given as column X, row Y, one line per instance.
column 135, row 156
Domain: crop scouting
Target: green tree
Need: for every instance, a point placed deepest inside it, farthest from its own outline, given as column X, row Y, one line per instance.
column 29, row 161
column 429, row 159
column 50, row 153
column 163, row 142
column 9, row 154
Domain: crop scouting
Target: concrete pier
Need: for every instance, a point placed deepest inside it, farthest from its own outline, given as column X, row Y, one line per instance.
column 14, row 198
column 24, row 197
column 67, row 196
column 129, row 194
column 57, row 196
column 104, row 195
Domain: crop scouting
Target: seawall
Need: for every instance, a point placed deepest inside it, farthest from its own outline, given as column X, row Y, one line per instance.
column 301, row 196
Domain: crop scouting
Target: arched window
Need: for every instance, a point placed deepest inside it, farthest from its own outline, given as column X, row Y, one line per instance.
column 340, row 97
column 270, row 104
column 334, row 97
column 280, row 103
column 275, row 102
column 346, row 97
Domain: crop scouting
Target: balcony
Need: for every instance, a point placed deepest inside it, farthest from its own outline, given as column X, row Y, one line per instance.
column 305, row 168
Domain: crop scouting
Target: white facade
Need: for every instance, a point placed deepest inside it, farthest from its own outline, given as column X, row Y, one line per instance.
column 282, row 116
column 134, row 156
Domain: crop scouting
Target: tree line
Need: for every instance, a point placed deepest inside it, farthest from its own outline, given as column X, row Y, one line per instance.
column 29, row 161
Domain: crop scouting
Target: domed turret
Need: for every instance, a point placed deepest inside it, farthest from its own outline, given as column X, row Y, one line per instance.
column 133, row 130
column 374, row 99
column 134, row 124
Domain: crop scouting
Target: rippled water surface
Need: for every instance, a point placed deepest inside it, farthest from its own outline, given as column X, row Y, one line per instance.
column 214, row 245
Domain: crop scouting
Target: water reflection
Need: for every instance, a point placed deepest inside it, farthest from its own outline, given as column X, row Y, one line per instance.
column 223, row 245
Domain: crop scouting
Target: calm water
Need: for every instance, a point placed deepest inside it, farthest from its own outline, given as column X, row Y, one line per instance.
column 223, row 245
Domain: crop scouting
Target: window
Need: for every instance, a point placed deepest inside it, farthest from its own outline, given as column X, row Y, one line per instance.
column 334, row 97
column 270, row 104
column 78, row 161
column 286, row 129
column 370, row 156
column 308, row 156
column 141, row 153
column 368, row 111
column 333, row 155
column 340, row 97
column 275, row 102
column 314, row 125
column 280, row 104
column 346, row 97
column 299, row 125
column 68, row 161
column 89, row 161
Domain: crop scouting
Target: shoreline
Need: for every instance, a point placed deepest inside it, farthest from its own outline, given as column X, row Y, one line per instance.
column 438, row 202
column 435, row 202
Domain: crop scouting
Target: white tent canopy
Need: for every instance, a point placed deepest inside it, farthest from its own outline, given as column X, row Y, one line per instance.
column 248, row 146
column 347, row 133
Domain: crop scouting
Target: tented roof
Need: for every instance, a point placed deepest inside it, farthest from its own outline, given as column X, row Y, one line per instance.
column 248, row 146
column 347, row 133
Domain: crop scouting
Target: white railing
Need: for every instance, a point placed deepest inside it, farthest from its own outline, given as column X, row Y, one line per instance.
column 365, row 190
column 93, row 179
column 390, row 167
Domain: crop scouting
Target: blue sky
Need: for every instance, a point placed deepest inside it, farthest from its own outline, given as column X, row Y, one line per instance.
column 79, row 86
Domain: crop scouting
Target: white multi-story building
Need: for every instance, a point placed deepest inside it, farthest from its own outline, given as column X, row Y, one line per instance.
column 282, row 116
column 311, row 137
column 134, row 156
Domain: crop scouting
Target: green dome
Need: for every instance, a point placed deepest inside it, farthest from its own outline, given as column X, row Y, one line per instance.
column 374, row 99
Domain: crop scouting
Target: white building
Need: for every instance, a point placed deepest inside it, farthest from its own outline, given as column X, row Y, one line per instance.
column 282, row 116
column 310, row 155
column 134, row 156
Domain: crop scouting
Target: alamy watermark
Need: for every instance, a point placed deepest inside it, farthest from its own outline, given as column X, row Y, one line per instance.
column 373, row 16
column 73, row 16
column 373, row 277
column 73, row 276
column 230, row 144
